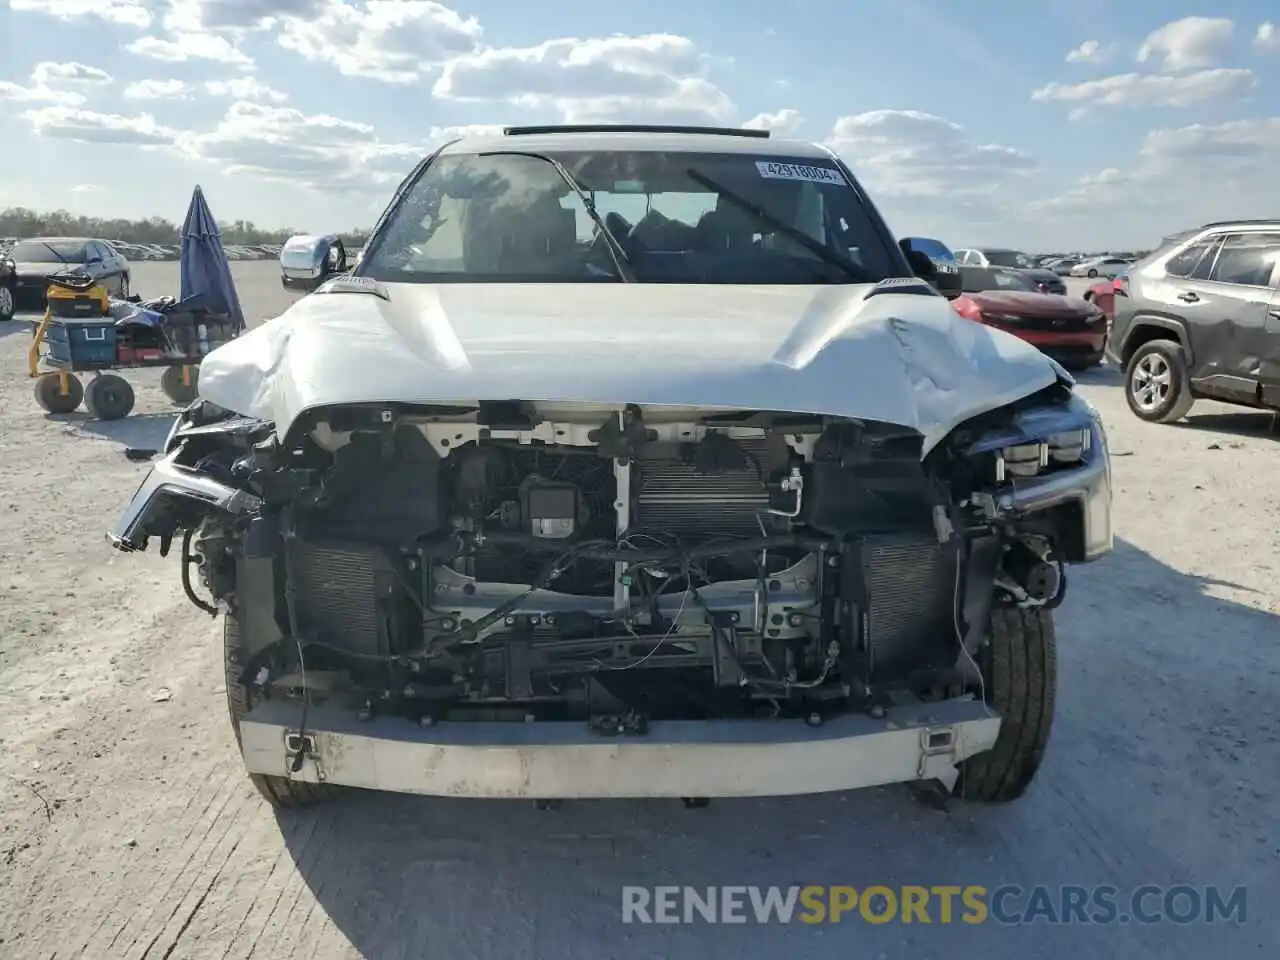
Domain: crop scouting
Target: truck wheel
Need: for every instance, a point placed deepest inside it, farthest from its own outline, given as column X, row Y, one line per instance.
column 177, row 391
column 1020, row 672
column 1156, row 385
column 278, row 791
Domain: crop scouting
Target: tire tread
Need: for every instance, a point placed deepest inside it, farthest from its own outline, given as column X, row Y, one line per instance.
column 1020, row 674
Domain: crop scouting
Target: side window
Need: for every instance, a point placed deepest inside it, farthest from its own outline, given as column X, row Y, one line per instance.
column 1247, row 259
column 1193, row 262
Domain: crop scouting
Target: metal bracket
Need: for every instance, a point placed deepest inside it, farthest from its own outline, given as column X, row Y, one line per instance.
column 938, row 755
column 302, row 745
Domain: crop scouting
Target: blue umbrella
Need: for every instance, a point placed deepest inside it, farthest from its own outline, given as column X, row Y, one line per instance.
column 206, row 274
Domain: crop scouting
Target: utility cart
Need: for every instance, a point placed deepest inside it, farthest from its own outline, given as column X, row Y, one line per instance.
column 84, row 331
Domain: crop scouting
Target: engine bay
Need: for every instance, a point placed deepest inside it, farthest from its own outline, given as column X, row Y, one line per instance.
column 502, row 561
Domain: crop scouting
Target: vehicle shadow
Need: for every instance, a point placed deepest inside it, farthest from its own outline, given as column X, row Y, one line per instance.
column 143, row 431
column 1103, row 375
column 1242, row 423
column 1138, row 708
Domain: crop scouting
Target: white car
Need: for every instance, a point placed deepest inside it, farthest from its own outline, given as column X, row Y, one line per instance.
column 633, row 462
column 1110, row 267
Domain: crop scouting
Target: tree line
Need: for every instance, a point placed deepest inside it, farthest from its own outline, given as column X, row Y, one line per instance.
column 21, row 223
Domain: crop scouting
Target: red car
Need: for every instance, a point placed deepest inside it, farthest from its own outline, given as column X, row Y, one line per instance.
column 1103, row 293
column 1071, row 330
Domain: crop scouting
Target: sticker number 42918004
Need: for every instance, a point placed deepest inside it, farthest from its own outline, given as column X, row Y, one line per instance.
column 799, row 171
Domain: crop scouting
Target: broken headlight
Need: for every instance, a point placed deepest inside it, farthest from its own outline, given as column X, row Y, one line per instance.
column 1039, row 440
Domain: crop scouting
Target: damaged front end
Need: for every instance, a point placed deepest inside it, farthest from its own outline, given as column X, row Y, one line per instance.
column 562, row 600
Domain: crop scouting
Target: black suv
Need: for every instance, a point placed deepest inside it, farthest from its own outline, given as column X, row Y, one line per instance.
column 1200, row 318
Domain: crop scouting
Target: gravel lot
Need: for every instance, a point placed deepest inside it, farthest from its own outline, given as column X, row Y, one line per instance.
column 128, row 830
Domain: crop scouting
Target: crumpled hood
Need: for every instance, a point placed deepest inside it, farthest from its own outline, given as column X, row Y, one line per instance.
column 905, row 359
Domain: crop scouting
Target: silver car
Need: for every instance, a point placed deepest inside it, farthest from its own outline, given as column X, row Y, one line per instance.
column 1109, row 267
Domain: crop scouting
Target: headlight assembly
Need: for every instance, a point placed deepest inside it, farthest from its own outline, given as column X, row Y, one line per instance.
column 1038, row 440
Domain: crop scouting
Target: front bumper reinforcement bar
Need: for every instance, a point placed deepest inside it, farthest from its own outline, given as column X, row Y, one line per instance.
column 565, row 760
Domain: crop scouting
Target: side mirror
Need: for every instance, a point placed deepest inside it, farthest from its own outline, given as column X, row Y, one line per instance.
column 933, row 261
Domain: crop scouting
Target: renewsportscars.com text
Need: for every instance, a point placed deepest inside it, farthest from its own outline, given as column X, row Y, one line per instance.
column 1006, row 904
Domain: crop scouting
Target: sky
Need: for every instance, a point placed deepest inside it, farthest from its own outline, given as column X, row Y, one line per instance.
column 1049, row 125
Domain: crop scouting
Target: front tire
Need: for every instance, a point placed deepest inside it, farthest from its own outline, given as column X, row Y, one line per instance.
column 1156, row 385
column 7, row 304
column 1093, row 274
column 278, row 791
column 1019, row 668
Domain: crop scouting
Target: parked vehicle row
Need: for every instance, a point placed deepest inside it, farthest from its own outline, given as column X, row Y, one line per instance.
column 171, row 251
column 1046, row 281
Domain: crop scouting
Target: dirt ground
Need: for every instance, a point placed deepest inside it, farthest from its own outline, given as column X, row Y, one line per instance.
column 128, row 830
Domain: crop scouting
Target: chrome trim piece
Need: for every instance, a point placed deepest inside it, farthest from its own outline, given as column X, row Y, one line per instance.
column 1088, row 485
column 169, row 480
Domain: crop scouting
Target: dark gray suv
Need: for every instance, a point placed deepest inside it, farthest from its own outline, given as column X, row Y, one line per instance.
column 1200, row 318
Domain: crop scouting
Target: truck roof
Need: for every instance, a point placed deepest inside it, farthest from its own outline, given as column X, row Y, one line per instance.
column 669, row 139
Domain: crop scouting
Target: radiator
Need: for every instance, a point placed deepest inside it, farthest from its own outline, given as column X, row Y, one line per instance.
column 911, row 589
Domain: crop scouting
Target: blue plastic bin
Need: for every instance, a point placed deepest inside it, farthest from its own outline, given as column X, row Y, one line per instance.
column 82, row 342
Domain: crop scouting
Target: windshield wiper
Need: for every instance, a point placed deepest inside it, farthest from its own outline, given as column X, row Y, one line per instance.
column 616, row 252
column 51, row 249
column 817, row 248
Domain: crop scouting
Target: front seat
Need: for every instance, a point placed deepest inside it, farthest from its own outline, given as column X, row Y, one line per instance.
column 535, row 238
column 727, row 227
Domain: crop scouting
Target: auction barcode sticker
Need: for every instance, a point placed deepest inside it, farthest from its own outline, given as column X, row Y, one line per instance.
column 799, row 171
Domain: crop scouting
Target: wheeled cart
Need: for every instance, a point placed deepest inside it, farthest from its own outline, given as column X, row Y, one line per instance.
column 80, row 333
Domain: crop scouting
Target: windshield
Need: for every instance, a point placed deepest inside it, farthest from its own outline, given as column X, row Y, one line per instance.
column 1008, row 258
column 48, row 251
column 678, row 218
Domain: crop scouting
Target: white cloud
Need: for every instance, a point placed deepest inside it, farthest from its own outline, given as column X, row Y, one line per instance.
column 202, row 16
column 245, row 88
column 181, row 47
column 36, row 94
column 781, row 122
column 1151, row 90
column 1091, row 51
column 324, row 152
column 1267, row 37
column 1181, row 177
column 911, row 153
column 86, row 188
column 58, row 83
column 89, row 126
column 157, row 90
column 928, row 175
column 1188, row 43
column 71, row 72
column 130, row 13
column 652, row 77
column 395, row 41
